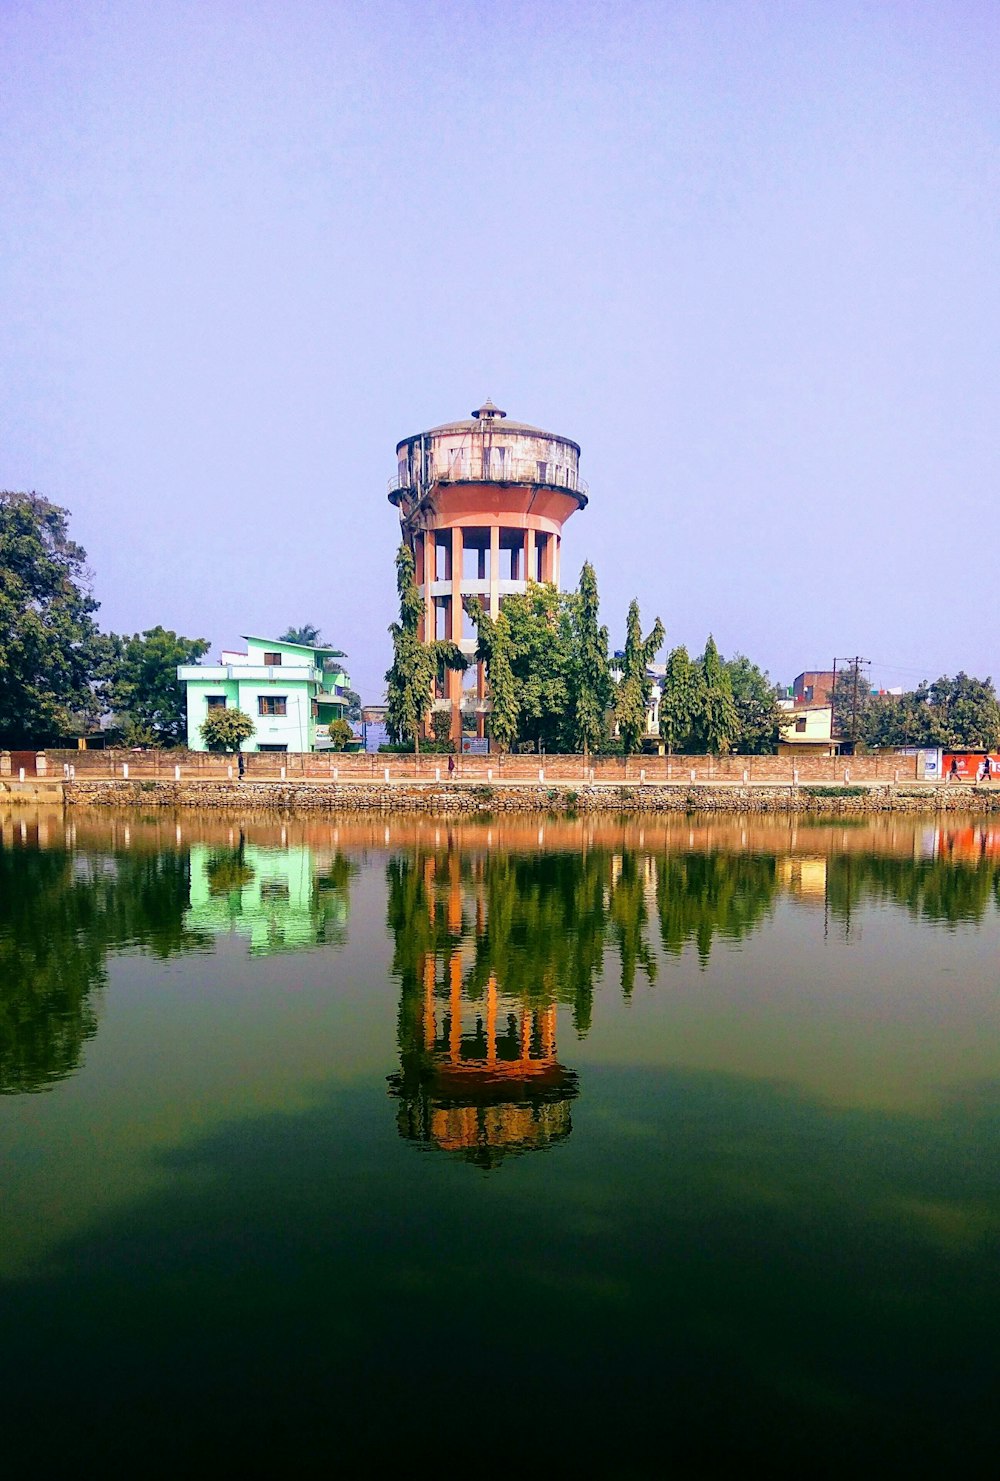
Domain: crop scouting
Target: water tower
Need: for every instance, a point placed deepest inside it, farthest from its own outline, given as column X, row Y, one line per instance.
column 482, row 504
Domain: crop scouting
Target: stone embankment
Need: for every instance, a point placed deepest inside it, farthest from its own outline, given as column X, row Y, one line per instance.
column 470, row 798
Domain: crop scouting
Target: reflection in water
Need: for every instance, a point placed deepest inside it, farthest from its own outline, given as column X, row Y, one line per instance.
column 60, row 916
column 280, row 899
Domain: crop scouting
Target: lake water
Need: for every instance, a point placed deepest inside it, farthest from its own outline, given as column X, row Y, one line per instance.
column 634, row 1148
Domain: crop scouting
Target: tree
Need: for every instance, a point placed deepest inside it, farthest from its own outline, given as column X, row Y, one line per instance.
column 224, row 729
column 415, row 664
column 143, row 691
column 634, row 687
column 504, row 708
column 959, row 714
column 353, row 701
column 968, row 710
column 759, row 720
column 307, row 634
column 49, row 644
column 591, row 688
column 718, row 723
column 681, row 700
column 527, row 656
column 852, row 704
column 340, row 733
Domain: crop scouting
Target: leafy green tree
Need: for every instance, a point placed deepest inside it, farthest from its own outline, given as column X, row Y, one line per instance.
column 681, row 701
column 415, row 664
column 224, row 729
column 307, row 634
column 340, row 733
column 527, row 653
column 353, row 700
column 718, row 724
column 143, row 691
column 49, row 644
column 968, row 711
column 759, row 720
column 904, row 720
column 591, row 688
column 634, row 687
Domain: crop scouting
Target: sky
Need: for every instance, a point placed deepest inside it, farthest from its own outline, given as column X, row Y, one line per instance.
column 745, row 254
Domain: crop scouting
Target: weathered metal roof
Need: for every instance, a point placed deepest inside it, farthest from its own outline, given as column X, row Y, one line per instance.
column 489, row 415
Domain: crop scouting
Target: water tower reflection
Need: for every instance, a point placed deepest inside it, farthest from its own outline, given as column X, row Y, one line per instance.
column 479, row 1072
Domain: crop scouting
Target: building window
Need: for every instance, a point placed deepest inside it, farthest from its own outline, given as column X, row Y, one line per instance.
column 543, row 472
column 272, row 660
column 215, row 701
column 272, row 748
column 800, row 726
column 272, row 704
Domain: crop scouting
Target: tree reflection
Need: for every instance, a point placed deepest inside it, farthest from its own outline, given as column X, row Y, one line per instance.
column 60, row 916
column 700, row 896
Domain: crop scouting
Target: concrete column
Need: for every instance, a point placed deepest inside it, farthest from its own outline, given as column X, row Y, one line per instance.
column 495, row 572
column 457, row 546
column 555, row 547
column 428, row 541
column 529, row 555
column 547, row 558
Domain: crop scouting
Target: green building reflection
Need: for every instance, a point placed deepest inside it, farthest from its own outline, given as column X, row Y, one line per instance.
column 278, row 899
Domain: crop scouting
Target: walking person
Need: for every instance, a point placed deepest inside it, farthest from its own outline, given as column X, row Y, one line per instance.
column 451, row 767
column 241, row 764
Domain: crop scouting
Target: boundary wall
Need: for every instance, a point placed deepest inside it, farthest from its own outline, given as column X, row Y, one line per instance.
column 337, row 766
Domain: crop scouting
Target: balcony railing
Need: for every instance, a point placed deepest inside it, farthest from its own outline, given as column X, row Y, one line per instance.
column 467, row 470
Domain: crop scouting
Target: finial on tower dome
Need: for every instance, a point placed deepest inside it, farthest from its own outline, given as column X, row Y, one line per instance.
column 488, row 411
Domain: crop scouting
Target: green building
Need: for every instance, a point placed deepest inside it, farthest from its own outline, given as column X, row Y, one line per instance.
column 291, row 691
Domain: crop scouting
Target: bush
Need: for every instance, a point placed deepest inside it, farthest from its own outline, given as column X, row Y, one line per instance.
column 226, row 729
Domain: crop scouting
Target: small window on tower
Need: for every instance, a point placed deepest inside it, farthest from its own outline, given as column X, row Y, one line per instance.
column 800, row 726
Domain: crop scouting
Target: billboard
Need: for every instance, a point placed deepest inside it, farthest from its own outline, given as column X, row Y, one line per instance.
column 970, row 766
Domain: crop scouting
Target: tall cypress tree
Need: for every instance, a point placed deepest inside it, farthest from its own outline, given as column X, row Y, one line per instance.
column 682, row 700
column 719, row 723
column 632, row 699
column 414, row 664
column 591, row 687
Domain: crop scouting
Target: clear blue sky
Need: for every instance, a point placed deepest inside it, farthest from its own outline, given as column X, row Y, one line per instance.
column 745, row 254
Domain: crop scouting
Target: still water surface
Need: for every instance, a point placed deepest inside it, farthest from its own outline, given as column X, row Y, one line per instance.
column 637, row 1147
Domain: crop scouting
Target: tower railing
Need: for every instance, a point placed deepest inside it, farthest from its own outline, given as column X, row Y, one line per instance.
column 467, row 470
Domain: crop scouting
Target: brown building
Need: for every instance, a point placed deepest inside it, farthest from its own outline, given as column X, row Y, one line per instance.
column 814, row 687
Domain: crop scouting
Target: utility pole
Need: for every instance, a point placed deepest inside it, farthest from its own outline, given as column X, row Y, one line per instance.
column 855, row 664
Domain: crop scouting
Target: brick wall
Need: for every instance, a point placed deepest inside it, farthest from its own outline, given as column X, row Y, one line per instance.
column 328, row 766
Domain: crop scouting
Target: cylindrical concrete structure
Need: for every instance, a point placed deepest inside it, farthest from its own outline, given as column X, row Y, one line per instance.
column 482, row 504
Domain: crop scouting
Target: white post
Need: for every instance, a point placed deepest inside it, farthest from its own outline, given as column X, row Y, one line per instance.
column 896, row 775
column 746, row 777
column 65, row 771
column 642, row 775
column 437, row 773
column 125, row 770
column 385, row 773
column 72, row 772
column 283, row 773
column 229, row 772
column 177, row 773
column 693, row 773
column 336, row 773
column 541, row 773
column 847, row 773
column 20, row 773
column 489, row 773
column 795, row 776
